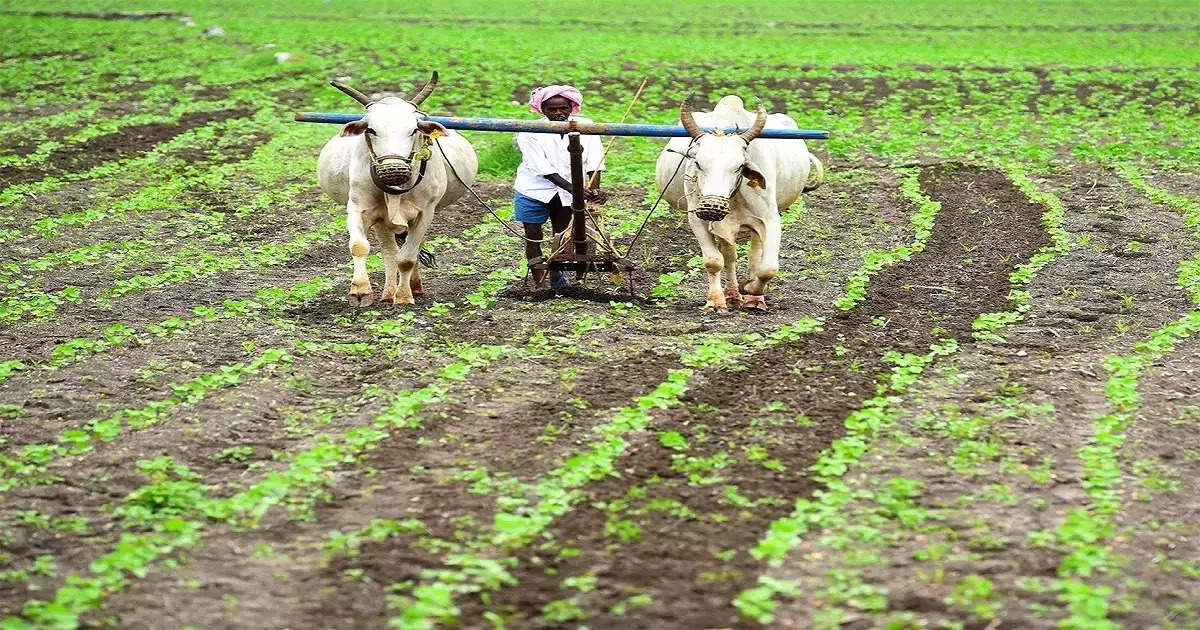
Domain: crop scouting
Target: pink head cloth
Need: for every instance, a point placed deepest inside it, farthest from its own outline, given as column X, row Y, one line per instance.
column 568, row 92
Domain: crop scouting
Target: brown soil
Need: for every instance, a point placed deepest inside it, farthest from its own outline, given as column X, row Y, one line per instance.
column 124, row 144
column 277, row 575
column 498, row 431
column 1052, row 357
column 105, row 15
column 673, row 552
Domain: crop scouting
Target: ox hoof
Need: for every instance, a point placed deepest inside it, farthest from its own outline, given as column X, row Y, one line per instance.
column 399, row 300
column 361, row 300
column 733, row 298
column 754, row 303
column 715, row 300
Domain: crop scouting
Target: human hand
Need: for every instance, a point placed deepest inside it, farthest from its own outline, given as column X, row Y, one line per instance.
column 595, row 195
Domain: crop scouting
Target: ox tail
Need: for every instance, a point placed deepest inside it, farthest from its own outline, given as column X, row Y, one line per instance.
column 399, row 218
column 424, row 256
column 816, row 174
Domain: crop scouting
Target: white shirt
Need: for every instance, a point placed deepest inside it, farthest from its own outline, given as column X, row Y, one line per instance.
column 546, row 153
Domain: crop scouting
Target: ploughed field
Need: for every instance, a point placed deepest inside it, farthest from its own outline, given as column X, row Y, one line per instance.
column 974, row 402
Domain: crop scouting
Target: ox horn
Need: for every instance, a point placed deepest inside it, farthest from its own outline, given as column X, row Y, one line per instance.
column 353, row 93
column 759, row 122
column 685, row 117
column 425, row 91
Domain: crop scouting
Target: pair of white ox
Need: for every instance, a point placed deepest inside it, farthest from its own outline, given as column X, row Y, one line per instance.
column 369, row 167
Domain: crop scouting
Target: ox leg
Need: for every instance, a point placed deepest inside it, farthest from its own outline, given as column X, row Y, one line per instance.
column 753, row 262
column 729, row 254
column 415, row 282
column 764, row 265
column 406, row 261
column 361, row 292
column 389, row 251
column 714, row 261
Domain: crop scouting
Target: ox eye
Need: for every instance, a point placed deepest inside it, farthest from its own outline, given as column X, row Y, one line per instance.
column 371, row 131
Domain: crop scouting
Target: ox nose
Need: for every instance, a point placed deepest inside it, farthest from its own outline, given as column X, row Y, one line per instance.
column 712, row 207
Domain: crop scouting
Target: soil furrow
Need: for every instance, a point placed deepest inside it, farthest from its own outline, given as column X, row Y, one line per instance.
column 984, row 229
column 492, row 431
column 122, row 145
column 1047, row 358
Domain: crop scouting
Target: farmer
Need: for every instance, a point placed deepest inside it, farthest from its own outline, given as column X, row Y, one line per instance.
column 543, row 186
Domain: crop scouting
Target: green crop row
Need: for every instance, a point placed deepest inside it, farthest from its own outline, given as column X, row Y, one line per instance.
column 305, row 469
column 28, row 465
column 1086, row 532
column 525, row 510
column 164, row 106
column 985, row 326
column 175, row 496
column 194, row 264
column 189, row 265
column 825, row 510
column 921, row 222
column 118, row 334
column 12, row 274
column 165, row 189
column 49, row 184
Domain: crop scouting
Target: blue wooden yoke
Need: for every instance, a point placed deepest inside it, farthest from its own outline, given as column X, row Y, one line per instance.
column 547, row 126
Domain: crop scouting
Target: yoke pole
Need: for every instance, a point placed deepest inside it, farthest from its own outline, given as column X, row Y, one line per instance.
column 592, row 128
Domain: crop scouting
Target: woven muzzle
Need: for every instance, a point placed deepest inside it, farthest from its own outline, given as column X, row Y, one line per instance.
column 391, row 171
column 712, row 207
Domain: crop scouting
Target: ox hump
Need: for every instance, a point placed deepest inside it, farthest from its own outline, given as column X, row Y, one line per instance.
column 731, row 110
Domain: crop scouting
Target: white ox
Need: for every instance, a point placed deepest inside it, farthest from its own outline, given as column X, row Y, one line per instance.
column 733, row 181
column 392, row 175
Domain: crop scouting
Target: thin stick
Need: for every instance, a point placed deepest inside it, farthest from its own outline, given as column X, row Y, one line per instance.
column 596, row 174
column 628, row 109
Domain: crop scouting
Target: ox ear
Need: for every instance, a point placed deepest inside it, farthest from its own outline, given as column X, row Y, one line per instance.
column 354, row 128
column 429, row 127
column 754, row 177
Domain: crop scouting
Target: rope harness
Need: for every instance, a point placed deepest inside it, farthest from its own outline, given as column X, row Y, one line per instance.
column 485, row 205
column 607, row 244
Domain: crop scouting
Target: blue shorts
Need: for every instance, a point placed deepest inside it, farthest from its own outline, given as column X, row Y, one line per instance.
column 530, row 210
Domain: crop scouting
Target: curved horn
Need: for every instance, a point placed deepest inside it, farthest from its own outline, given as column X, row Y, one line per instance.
column 353, row 93
column 757, row 127
column 685, row 117
column 425, row 91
